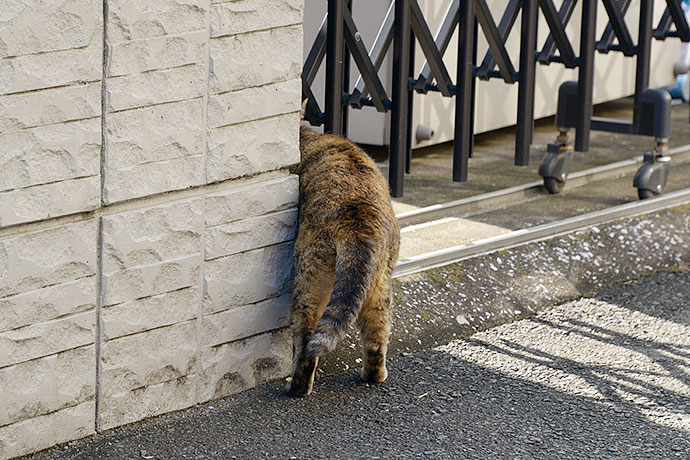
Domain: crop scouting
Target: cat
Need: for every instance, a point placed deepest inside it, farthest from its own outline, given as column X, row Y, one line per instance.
column 345, row 251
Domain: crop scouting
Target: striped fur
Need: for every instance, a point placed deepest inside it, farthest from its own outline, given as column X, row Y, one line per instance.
column 346, row 249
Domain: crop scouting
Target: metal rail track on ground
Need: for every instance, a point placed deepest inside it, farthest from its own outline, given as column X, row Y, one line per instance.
column 475, row 205
column 490, row 201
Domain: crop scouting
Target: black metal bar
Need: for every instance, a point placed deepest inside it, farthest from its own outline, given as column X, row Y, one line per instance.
column 410, row 111
column 682, row 27
column 585, row 80
column 473, row 102
column 495, row 40
column 312, row 112
column 401, row 68
column 383, row 40
column 334, row 67
column 534, row 81
column 528, row 42
column 605, row 43
column 346, row 71
column 367, row 102
column 546, row 56
column 611, row 125
column 504, row 27
column 558, row 34
column 617, row 23
column 661, row 31
column 364, row 64
column 672, row 16
column 316, row 54
column 463, row 94
column 644, row 48
column 442, row 40
column 431, row 52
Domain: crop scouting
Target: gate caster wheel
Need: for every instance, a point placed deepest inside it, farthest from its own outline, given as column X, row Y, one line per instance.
column 553, row 185
column 650, row 180
column 643, row 194
column 556, row 164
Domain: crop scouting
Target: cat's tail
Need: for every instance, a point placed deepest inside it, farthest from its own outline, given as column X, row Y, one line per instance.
column 354, row 270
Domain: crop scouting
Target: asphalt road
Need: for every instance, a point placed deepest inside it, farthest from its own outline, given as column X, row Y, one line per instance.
column 604, row 377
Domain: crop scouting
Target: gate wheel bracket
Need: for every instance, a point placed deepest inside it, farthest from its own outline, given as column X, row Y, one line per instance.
column 556, row 164
column 650, row 180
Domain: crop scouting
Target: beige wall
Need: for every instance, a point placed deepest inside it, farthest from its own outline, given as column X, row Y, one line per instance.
column 146, row 209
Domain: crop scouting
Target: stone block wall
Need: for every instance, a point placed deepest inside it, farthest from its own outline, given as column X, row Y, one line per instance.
column 146, row 208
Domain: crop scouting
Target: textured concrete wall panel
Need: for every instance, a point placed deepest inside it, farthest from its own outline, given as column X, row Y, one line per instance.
column 154, row 178
column 151, row 297
column 165, row 52
column 47, row 385
column 43, row 258
column 54, row 105
column 54, row 428
column 50, row 153
column 49, row 170
column 254, row 103
column 43, row 339
column 255, row 232
column 49, row 200
column 230, row 17
column 247, row 277
column 152, row 235
column 134, row 19
column 154, row 134
column 140, row 403
column 236, row 366
column 151, row 251
column 153, row 150
column 151, row 312
column 149, row 358
column 49, row 70
column 242, row 322
column 147, row 280
column 155, row 87
column 148, row 373
column 247, row 148
column 251, row 200
column 157, row 63
column 255, row 59
column 192, row 92
column 31, row 27
column 47, row 303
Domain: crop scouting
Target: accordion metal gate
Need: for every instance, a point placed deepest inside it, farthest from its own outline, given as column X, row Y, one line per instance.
column 404, row 23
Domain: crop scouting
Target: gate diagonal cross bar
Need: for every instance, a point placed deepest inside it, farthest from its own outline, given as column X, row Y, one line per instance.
column 404, row 24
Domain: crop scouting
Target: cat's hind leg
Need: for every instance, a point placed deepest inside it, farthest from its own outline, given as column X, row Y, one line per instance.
column 375, row 328
column 313, row 287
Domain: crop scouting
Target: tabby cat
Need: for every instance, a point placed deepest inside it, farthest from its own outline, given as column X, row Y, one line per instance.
column 346, row 249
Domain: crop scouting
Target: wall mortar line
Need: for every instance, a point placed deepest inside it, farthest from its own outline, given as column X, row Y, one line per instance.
column 202, row 239
column 104, row 96
column 99, row 321
column 204, row 109
column 99, row 234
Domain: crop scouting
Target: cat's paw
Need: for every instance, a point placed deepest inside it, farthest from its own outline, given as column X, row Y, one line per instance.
column 374, row 375
column 297, row 389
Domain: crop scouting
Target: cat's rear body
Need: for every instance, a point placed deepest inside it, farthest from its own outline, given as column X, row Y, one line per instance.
column 346, row 249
